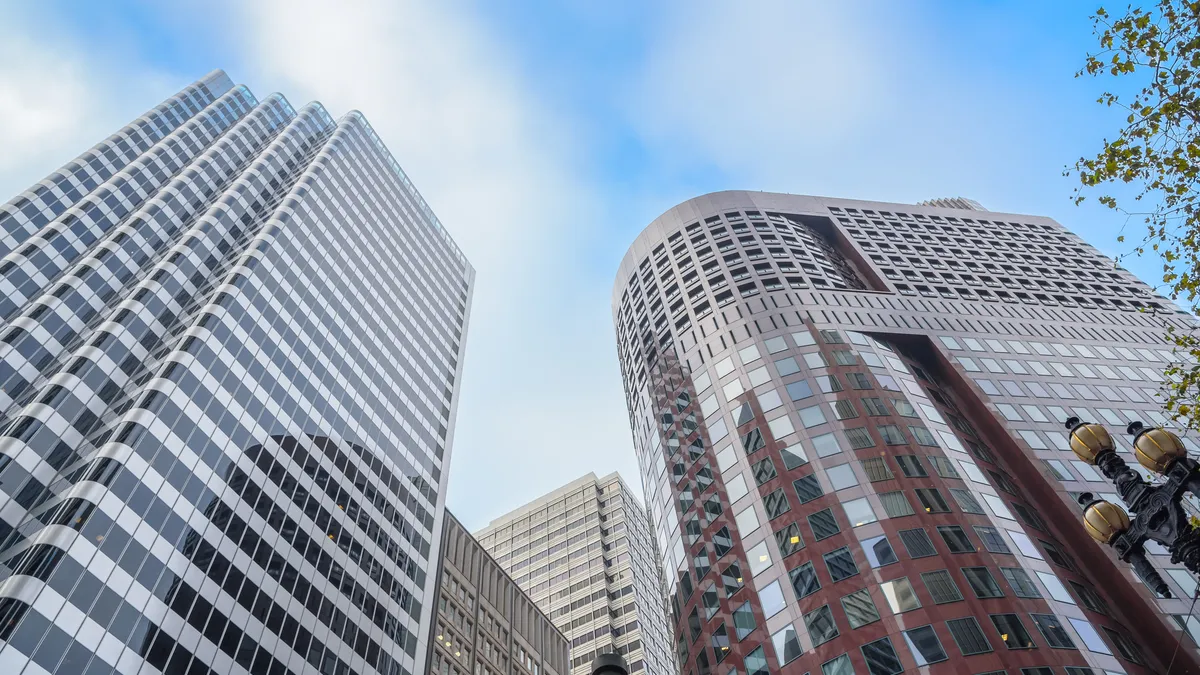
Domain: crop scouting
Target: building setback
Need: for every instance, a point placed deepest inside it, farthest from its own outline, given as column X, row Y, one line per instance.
column 849, row 418
column 232, row 334
column 585, row 554
column 484, row 623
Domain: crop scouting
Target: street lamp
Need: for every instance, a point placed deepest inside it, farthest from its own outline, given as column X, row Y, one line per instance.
column 1159, row 513
column 610, row 664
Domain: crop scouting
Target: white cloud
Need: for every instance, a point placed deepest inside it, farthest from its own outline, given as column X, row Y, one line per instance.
column 753, row 82
column 56, row 101
column 541, row 393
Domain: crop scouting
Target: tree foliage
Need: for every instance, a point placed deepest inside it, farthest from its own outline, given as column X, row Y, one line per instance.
column 1152, row 55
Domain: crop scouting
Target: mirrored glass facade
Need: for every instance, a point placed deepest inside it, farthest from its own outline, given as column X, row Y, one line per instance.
column 585, row 554
column 849, row 418
column 232, row 337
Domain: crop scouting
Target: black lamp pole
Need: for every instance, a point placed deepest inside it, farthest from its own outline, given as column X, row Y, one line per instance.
column 1160, row 515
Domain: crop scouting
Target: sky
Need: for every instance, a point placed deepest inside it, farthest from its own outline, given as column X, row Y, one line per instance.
column 546, row 135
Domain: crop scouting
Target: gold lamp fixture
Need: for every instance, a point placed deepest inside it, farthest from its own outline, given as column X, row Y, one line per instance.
column 1104, row 521
column 1156, row 448
column 1089, row 440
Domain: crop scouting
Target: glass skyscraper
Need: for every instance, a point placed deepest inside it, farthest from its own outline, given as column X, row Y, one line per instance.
column 849, row 418
column 232, row 337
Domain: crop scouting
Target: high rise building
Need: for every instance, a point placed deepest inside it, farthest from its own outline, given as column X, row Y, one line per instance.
column 849, row 416
column 484, row 623
column 585, row 554
column 232, row 334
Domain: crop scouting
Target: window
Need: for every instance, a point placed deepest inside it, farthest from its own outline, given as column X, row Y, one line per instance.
column 821, row 626
column 860, row 609
column 756, row 663
column 826, row 445
column 747, row 520
column 941, row 586
column 720, row 642
column 876, row 469
column 788, row 540
column 843, row 410
column 1012, row 631
column 793, row 456
column 956, row 539
column 858, row 380
column 811, row 417
column 966, row 501
column 924, row 645
column 900, row 595
column 776, row 505
column 891, row 434
column 771, row 598
column 859, row 438
column 1090, row 598
column 944, row 468
column 787, row 367
column 841, row 564
column 759, row 558
column 881, row 658
column 799, row 390
column 731, row 578
column 925, row 438
column 841, row 476
column 764, row 471
column 931, row 500
column 875, row 407
column 968, row 636
column 839, row 666
column 807, row 488
column 804, row 580
column 896, row 504
column 879, row 552
column 917, row 543
column 982, row 582
column 823, row 524
column 910, row 466
column 992, row 540
column 1087, row 633
column 1125, row 646
column 1052, row 630
column 859, row 512
column 743, row 621
column 787, row 644
column 1056, row 556
column 710, row 602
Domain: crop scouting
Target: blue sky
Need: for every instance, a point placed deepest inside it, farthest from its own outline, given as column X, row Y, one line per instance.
column 546, row 135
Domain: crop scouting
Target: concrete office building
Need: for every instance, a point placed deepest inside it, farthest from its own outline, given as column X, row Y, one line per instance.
column 484, row 623
column 585, row 554
column 849, row 416
column 232, row 336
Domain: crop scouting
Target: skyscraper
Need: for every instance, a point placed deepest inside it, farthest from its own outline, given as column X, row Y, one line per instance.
column 232, row 337
column 585, row 554
column 484, row 623
column 849, row 416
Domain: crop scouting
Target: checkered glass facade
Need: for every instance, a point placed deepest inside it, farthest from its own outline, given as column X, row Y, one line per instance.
column 232, row 337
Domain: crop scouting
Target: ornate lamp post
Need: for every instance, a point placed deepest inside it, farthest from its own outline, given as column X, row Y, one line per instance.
column 1159, row 513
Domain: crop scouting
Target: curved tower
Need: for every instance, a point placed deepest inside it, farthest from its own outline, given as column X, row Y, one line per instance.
column 849, row 420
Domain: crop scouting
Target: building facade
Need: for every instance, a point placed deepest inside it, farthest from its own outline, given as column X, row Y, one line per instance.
column 585, row 554
column 484, row 624
column 849, row 416
column 232, row 337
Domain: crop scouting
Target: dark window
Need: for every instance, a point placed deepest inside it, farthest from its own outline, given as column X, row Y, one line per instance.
column 1052, row 630
column 969, row 636
column 823, row 524
column 804, row 580
column 841, row 564
column 956, row 539
column 807, row 488
column 776, row 504
column 982, row 582
column 789, row 540
column 941, row 586
column 917, row 543
column 932, row 500
column 1012, row 631
column 910, row 466
column 881, row 658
